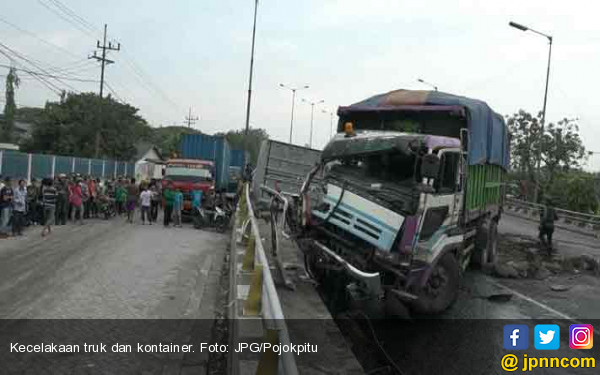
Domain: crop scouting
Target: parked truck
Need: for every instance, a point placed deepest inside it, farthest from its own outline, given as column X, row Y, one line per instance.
column 209, row 148
column 189, row 176
column 403, row 198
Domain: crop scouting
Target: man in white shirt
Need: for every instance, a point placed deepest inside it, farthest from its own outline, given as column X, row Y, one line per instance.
column 146, row 198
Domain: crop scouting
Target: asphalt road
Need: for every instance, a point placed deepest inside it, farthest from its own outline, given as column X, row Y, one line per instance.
column 570, row 243
column 110, row 269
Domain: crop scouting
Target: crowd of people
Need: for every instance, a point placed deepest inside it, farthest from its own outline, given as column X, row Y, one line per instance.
column 75, row 198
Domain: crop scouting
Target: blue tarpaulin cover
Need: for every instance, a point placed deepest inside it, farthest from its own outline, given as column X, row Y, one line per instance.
column 489, row 142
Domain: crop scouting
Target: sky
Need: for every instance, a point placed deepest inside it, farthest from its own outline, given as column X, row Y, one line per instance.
column 196, row 53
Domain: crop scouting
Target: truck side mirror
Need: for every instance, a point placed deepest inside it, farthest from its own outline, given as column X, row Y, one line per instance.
column 430, row 166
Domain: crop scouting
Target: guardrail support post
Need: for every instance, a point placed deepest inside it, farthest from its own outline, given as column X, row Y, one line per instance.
column 53, row 170
column 29, row 157
column 252, row 305
column 248, row 262
column 269, row 360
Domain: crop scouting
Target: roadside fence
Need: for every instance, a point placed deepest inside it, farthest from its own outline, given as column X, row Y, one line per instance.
column 20, row 165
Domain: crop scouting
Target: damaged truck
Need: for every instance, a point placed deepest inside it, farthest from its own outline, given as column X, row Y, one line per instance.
column 405, row 196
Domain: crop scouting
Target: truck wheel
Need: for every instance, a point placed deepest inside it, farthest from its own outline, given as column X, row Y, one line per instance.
column 486, row 245
column 441, row 289
column 221, row 224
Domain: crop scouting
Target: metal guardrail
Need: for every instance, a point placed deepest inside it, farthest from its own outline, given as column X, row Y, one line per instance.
column 568, row 217
column 262, row 300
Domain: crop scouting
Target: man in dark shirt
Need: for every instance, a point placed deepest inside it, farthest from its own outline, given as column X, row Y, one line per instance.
column 49, row 203
column 62, row 200
column 6, row 201
column 547, row 218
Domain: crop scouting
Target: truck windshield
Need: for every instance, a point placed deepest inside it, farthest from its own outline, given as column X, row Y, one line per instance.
column 387, row 178
column 382, row 168
column 188, row 174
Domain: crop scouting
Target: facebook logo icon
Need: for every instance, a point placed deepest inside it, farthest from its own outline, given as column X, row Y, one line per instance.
column 516, row 336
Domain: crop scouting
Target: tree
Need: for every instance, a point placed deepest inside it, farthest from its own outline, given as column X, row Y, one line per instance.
column 561, row 147
column 575, row 191
column 167, row 138
column 12, row 83
column 524, row 132
column 251, row 144
column 69, row 127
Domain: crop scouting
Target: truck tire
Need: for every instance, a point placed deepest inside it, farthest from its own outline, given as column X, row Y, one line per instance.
column 221, row 224
column 486, row 245
column 441, row 289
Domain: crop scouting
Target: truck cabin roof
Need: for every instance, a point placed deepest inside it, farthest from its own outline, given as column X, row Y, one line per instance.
column 370, row 142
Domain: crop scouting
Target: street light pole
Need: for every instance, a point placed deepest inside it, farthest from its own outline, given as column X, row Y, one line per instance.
column 312, row 113
column 330, row 122
column 293, row 89
column 427, row 83
column 543, row 122
column 251, row 72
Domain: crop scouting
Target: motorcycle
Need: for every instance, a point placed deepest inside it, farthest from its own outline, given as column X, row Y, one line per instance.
column 217, row 218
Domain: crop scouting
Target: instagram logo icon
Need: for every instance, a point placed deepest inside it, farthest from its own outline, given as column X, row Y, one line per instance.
column 581, row 336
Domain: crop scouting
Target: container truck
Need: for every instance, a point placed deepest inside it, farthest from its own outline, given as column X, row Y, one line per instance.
column 404, row 197
column 283, row 166
column 209, row 148
column 237, row 162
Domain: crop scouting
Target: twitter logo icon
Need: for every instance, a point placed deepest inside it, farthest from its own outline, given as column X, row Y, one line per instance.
column 547, row 336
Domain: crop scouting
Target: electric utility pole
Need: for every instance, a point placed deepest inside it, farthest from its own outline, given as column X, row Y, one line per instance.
column 103, row 61
column 191, row 120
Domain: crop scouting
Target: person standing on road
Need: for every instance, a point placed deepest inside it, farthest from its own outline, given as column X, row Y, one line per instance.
column 85, row 194
column 19, row 209
column 62, row 200
column 76, row 200
column 146, row 201
column 177, row 208
column 92, row 187
column 49, row 204
column 169, row 196
column 6, row 198
column 121, row 197
column 547, row 218
column 155, row 202
column 132, row 197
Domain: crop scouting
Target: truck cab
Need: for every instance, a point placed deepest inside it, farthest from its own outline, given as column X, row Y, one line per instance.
column 189, row 175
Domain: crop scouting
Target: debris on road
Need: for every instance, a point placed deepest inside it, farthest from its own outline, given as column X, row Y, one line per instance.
column 559, row 288
column 520, row 257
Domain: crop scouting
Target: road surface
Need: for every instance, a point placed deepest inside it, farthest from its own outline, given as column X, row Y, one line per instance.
column 109, row 269
column 110, row 282
column 571, row 243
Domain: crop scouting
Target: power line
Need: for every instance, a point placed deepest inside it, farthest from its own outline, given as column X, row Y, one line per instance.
column 61, row 15
column 112, row 91
column 146, row 80
column 82, row 21
column 51, row 86
column 37, row 37
column 77, row 79
column 29, row 61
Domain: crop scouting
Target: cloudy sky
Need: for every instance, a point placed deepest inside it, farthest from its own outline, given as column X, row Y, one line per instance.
column 181, row 53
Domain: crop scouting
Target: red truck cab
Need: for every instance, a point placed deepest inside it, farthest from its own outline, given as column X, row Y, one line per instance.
column 188, row 175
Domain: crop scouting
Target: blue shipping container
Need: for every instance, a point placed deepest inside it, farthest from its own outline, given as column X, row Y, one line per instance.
column 210, row 148
column 238, row 158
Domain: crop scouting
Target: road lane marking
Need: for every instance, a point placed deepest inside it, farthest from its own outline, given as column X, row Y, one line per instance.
column 529, row 299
